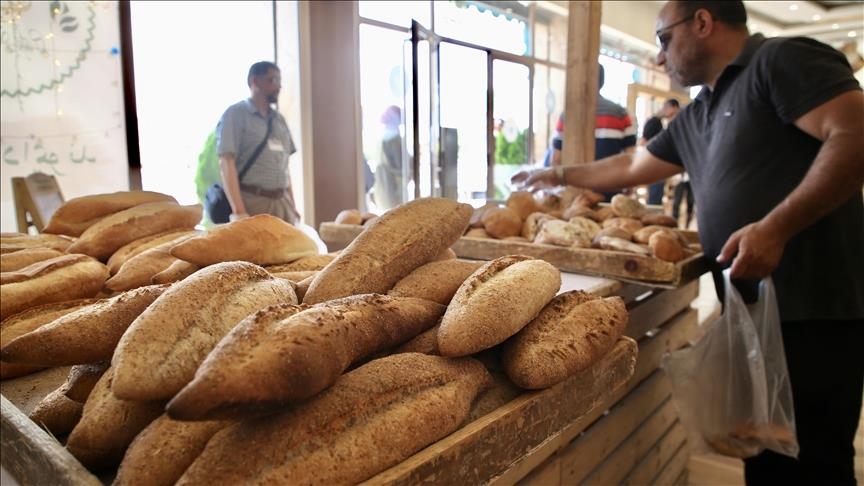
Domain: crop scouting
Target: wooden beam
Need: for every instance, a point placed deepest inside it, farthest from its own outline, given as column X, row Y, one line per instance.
column 583, row 48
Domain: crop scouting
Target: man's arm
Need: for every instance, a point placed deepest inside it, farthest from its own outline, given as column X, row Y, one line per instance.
column 228, row 170
column 836, row 175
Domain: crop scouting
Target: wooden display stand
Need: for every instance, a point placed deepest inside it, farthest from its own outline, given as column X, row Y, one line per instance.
column 36, row 197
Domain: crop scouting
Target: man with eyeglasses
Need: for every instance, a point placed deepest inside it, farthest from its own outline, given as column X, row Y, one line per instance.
column 251, row 132
column 774, row 146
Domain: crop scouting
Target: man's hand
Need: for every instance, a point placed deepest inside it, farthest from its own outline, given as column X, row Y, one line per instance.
column 530, row 180
column 756, row 251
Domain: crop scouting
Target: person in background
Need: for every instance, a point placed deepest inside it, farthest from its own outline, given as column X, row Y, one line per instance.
column 387, row 192
column 266, row 186
column 614, row 132
column 773, row 147
column 653, row 126
column 554, row 150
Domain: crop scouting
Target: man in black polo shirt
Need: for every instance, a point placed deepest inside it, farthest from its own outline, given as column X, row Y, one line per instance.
column 774, row 148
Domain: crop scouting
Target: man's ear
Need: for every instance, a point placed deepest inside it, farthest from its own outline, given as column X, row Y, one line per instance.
column 703, row 23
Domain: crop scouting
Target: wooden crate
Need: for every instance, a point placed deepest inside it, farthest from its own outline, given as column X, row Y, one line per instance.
column 605, row 263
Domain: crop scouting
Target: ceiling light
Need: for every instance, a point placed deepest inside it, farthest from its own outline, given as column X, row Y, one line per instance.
column 793, row 7
column 817, row 17
column 851, row 33
column 835, row 26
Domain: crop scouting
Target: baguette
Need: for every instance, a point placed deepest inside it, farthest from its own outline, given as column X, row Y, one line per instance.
column 159, row 353
column 570, row 334
column 129, row 250
column 261, row 239
column 30, row 320
column 295, row 352
column 394, row 406
column 426, row 342
column 86, row 335
column 108, row 425
column 306, row 263
column 57, row 413
column 178, row 270
column 113, row 232
column 58, row 279
column 78, row 214
column 163, row 451
column 437, row 281
column 390, row 248
column 12, row 242
column 9, row 262
column 83, row 378
column 139, row 270
column 495, row 302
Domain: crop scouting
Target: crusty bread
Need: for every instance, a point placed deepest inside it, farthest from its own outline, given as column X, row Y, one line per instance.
column 139, row 270
column 666, row 247
column 561, row 233
column 58, row 279
column 83, row 378
column 86, row 335
column 302, row 286
column 113, row 232
column 108, row 425
column 163, row 347
column 294, row 353
column 446, row 254
column 627, row 207
column 178, row 270
column 394, row 245
column 12, row 242
column 644, row 233
column 435, row 281
column 570, row 334
column 9, row 262
column 30, row 320
column 261, row 239
column 495, row 302
column 426, row 342
column 374, row 417
column 533, row 223
column 629, row 224
column 523, row 203
column 502, row 222
column 295, row 276
column 164, row 450
column 57, row 413
column 620, row 244
column 349, row 216
column 659, row 219
column 78, row 214
column 309, row 262
column 129, row 250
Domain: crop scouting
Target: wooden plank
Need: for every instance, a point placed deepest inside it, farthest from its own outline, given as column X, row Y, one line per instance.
column 38, row 196
column 583, row 49
column 671, row 336
column 674, row 468
column 617, row 465
column 659, row 308
column 34, row 457
column 713, row 469
column 653, row 462
column 486, row 446
column 547, row 473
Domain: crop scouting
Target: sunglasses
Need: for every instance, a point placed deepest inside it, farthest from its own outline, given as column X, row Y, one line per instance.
column 662, row 38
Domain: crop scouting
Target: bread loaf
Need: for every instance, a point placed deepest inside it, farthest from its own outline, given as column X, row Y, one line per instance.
column 57, row 413
column 78, row 214
column 309, row 262
column 12, row 242
column 349, row 216
column 659, row 219
column 435, row 281
column 10, row 262
column 82, row 379
column 570, row 334
column 627, row 207
column 523, row 203
column 620, row 244
column 394, row 406
column 108, row 425
column 666, row 247
column 113, row 232
column 129, row 250
column 29, row 320
column 58, row 279
column 163, row 347
column 140, row 269
column 502, row 222
column 164, row 450
column 426, row 342
column 178, row 270
column 532, row 224
column 294, row 353
column 401, row 240
column 644, row 234
column 261, row 239
column 495, row 302
column 86, row 335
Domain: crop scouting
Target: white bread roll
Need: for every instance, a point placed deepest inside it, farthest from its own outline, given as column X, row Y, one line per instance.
column 159, row 353
column 390, row 248
column 495, row 302
column 372, row 418
column 9, row 262
column 295, row 352
column 261, row 239
column 570, row 334
column 113, row 232
column 78, row 214
column 58, row 279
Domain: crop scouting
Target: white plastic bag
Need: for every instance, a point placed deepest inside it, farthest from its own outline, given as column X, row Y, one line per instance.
column 732, row 386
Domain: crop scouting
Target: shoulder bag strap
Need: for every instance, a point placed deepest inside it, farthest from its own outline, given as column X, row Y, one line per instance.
column 258, row 149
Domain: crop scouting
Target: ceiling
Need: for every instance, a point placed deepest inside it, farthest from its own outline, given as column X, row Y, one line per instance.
column 832, row 22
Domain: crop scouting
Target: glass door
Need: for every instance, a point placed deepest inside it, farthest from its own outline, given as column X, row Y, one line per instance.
column 423, row 115
column 511, row 102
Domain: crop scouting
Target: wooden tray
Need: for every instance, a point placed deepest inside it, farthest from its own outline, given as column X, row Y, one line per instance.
column 604, row 263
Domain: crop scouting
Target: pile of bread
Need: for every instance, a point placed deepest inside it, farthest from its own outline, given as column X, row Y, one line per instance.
column 573, row 217
column 235, row 374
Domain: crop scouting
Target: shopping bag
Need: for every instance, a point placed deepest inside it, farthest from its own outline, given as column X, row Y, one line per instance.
column 732, row 386
column 216, row 204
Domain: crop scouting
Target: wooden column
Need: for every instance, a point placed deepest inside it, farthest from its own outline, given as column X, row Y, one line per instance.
column 583, row 49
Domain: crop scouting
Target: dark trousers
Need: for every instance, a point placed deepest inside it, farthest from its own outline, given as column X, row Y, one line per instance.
column 655, row 192
column 683, row 191
column 826, row 369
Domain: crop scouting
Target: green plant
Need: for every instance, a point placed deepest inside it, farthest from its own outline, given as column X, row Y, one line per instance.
column 511, row 153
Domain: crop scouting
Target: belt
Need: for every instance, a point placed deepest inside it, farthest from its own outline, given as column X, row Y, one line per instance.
column 260, row 191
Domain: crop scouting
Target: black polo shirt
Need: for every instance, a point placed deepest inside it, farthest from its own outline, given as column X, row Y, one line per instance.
column 744, row 156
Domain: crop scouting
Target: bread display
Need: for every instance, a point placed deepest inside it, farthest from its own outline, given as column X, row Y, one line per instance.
column 394, row 245
column 140, row 269
column 261, row 239
column 74, row 216
column 393, row 406
column 160, row 351
column 129, row 250
column 12, row 242
column 58, row 279
column 17, row 260
column 495, row 302
column 306, row 263
column 295, row 352
column 436, row 281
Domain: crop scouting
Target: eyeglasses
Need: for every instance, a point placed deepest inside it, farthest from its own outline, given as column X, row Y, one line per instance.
column 663, row 40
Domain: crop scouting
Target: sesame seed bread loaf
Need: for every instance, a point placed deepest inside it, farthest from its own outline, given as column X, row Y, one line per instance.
column 372, row 418
column 78, row 214
column 495, row 302
column 163, row 347
column 390, row 248
column 436, row 281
